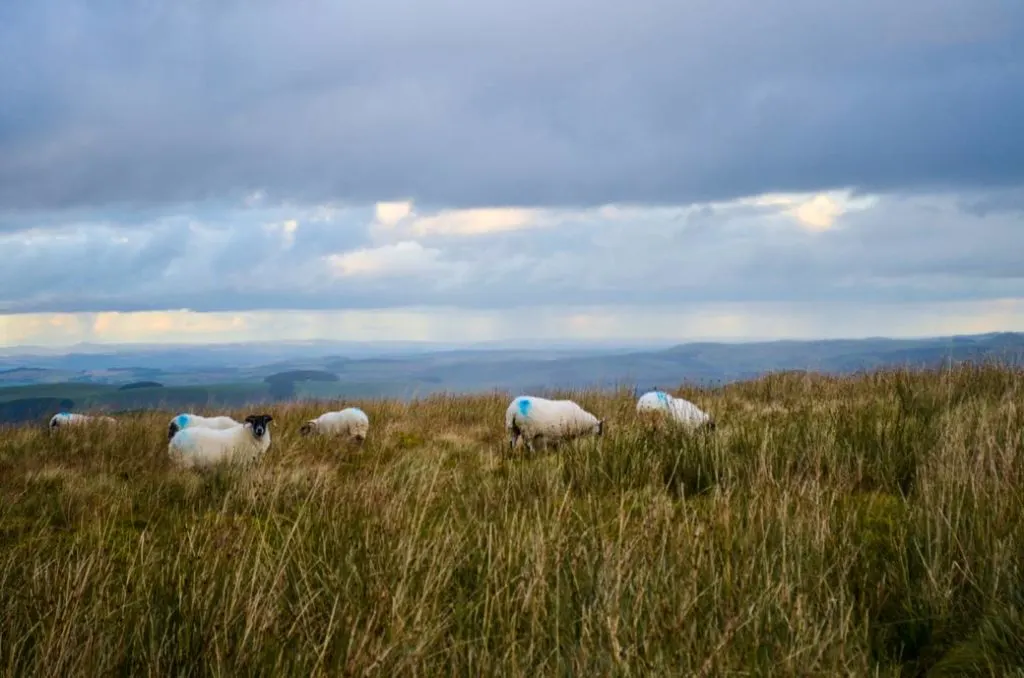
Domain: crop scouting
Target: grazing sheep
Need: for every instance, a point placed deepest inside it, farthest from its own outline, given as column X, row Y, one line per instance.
column 62, row 419
column 198, row 446
column 533, row 418
column 350, row 421
column 184, row 420
column 655, row 405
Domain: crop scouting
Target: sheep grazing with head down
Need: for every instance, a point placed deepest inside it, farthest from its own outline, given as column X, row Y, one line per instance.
column 200, row 447
column 533, row 418
column 351, row 422
column 188, row 420
column 655, row 406
column 63, row 419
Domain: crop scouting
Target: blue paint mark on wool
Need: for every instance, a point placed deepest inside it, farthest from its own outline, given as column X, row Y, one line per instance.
column 663, row 398
column 524, row 406
column 181, row 420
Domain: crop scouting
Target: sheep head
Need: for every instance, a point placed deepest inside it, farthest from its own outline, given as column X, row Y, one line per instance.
column 259, row 423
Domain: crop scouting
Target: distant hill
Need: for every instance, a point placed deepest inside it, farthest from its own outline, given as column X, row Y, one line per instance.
column 141, row 384
column 236, row 381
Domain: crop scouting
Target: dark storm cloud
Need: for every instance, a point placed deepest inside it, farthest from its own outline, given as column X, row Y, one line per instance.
column 501, row 102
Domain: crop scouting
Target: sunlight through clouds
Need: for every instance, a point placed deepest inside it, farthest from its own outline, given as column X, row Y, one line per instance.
column 696, row 322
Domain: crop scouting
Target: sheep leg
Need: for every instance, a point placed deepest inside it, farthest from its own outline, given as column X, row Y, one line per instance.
column 514, row 434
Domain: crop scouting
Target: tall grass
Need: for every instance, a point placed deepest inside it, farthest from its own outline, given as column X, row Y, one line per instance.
column 869, row 525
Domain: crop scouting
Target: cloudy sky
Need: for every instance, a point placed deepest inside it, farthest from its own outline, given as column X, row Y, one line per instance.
column 440, row 170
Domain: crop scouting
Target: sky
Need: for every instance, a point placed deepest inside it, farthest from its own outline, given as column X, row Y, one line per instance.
column 435, row 170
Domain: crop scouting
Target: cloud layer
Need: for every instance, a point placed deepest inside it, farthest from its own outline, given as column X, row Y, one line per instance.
column 815, row 248
column 513, row 103
column 654, row 162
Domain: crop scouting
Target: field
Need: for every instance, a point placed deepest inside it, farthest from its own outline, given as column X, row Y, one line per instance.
column 866, row 525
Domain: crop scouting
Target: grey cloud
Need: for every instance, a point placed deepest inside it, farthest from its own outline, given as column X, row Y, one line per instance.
column 172, row 262
column 922, row 248
column 501, row 102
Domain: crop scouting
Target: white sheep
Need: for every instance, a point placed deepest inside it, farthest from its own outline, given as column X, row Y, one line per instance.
column 350, row 421
column 656, row 404
column 200, row 447
column 62, row 419
column 188, row 420
column 533, row 418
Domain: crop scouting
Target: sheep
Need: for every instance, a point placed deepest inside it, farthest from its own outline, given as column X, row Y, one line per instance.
column 201, row 447
column 183, row 421
column 62, row 419
column 656, row 404
column 350, row 421
column 533, row 418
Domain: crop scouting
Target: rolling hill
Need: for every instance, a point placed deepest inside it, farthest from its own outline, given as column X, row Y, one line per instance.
column 215, row 376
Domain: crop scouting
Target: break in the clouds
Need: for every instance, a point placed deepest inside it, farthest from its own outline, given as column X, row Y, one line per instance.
column 776, row 248
column 503, row 102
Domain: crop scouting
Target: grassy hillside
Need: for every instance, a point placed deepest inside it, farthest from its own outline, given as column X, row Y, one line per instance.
column 867, row 525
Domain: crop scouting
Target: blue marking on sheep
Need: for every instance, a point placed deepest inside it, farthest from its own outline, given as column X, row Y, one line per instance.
column 663, row 398
column 524, row 406
column 181, row 420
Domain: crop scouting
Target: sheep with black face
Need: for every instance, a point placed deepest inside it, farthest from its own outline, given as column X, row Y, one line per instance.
column 199, row 447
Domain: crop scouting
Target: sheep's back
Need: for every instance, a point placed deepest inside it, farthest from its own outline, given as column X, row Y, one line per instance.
column 551, row 416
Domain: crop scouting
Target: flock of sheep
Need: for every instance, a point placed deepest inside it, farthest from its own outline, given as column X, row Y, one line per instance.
column 196, row 441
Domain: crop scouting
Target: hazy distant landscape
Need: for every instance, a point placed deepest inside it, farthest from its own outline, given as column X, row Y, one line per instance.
column 35, row 385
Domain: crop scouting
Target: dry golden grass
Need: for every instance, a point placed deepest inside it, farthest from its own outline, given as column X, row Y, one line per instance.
column 859, row 526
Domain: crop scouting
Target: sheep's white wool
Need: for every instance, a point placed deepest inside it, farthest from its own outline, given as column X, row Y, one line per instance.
column 679, row 410
column 62, row 419
column 351, row 422
column 533, row 418
column 200, row 447
column 188, row 420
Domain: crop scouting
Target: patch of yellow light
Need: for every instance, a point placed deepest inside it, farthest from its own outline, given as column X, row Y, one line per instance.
column 406, row 256
column 289, row 228
column 155, row 325
column 400, row 219
column 818, row 213
column 815, row 211
column 476, row 221
column 390, row 213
